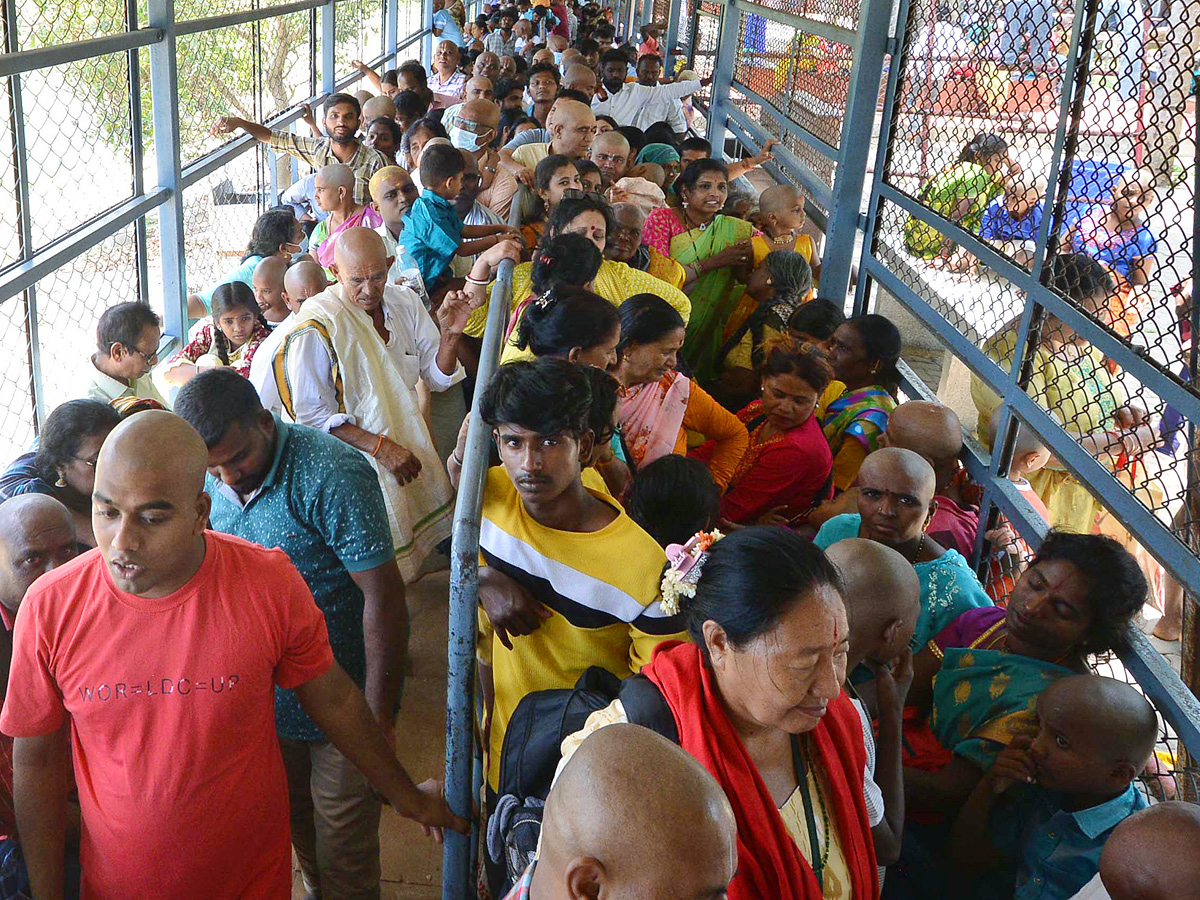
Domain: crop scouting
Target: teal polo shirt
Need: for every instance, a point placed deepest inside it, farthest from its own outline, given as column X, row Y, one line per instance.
column 1053, row 853
column 321, row 504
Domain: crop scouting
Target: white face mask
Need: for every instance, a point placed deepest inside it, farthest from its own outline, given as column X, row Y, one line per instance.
column 467, row 140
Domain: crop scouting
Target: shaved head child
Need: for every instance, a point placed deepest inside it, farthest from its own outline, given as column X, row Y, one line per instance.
column 624, row 784
column 883, row 600
column 1037, row 821
column 1152, row 855
column 934, row 431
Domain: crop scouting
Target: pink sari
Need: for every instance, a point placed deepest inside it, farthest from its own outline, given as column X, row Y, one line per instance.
column 365, row 217
column 651, row 417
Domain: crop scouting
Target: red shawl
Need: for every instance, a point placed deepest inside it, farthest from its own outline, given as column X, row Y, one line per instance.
column 770, row 865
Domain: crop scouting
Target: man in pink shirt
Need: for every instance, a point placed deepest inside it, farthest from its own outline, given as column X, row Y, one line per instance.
column 161, row 650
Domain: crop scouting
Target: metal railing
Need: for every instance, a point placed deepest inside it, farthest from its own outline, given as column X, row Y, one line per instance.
column 838, row 83
column 135, row 214
column 462, row 789
column 835, row 81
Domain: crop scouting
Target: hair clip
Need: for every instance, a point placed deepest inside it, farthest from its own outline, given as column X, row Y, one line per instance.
column 544, row 300
column 684, row 564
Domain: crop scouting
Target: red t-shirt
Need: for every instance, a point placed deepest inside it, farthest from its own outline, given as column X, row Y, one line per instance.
column 171, row 702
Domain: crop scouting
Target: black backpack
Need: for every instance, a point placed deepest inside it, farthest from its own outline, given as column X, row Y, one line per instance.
column 530, row 755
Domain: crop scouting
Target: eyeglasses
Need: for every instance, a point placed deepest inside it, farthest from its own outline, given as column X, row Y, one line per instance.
column 573, row 194
column 150, row 358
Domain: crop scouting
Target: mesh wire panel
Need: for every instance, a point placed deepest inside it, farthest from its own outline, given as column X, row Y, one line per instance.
column 225, row 61
column 981, row 103
column 16, row 408
column 707, row 26
column 359, row 31
column 69, row 302
column 79, row 164
column 219, row 213
column 10, row 243
column 44, row 23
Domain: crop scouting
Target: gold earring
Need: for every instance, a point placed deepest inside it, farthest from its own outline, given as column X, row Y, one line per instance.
column 62, row 481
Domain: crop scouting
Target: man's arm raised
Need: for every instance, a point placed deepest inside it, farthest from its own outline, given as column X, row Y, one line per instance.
column 230, row 124
column 41, row 780
column 340, row 711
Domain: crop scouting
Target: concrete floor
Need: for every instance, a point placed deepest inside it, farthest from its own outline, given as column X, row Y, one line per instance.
column 412, row 864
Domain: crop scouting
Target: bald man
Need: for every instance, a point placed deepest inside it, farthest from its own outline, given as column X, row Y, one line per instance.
column 445, row 80
column 934, row 431
column 1151, row 856
column 478, row 87
column 580, row 78
column 572, row 127
column 883, row 600
column 163, row 658
column 268, row 289
column 392, row 196
column 352, row 362
column 473, row 128
column 37, row 535
column 487, row 66
column 895, row 504
column 1042, row 812
column 378, row 107
column 301, row 280
column 623, row 783
column 610, row 153
column 335, row 195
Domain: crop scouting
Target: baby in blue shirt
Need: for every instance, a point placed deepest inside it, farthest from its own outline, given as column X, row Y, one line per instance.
column 433, row 232
column 1035, row 824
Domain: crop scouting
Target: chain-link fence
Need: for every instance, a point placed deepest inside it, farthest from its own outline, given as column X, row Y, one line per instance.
column 1058, row 138
column 1029, row 223
column 79, row 136
column 1035, row 213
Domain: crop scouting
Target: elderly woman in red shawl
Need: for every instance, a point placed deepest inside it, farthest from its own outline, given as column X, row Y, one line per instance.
column 757, row 698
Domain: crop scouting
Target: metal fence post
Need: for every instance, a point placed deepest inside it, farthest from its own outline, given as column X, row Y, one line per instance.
column 727, row 47
column 164, row 100
column 672, row 37
column 391, row 30
column 328, row 47
column 855, row 145
column 427, row 23
column 24, row 217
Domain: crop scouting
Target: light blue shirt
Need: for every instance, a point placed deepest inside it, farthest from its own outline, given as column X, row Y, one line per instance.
column 949, row 586
column 243, row 273
column 1056, row 852
column 532, row 136
column 300, row 198
column 449, row 26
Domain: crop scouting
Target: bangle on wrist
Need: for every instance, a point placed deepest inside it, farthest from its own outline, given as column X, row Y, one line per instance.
column 457, row 461
column 378, row 447
column 476, row 281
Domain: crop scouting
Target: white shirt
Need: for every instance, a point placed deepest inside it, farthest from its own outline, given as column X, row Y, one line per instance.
column 262, row 367
column 641, row 106
column 1093, row 890
column 412, row 347
column 404, row 271
column 106, row 389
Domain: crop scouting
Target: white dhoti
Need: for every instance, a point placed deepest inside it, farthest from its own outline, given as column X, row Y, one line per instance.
column 362, row 386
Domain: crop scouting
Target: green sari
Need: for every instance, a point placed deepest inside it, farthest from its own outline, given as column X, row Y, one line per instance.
column 983, row 698
column 942, row 194
column 715, row 294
